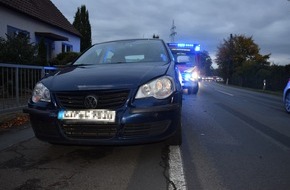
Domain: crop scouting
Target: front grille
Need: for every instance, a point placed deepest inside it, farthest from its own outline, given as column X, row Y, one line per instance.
column 145, row 129
column 110, row 99
column 90, row 131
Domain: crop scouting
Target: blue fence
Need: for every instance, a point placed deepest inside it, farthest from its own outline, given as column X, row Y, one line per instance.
column 17, row 83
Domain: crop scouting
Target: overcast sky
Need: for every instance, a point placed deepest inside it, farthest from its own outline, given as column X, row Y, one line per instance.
column 207, row 22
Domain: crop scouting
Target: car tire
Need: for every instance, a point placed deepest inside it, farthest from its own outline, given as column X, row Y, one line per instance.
column 287, row 102
column 189, row 90
column 176, row 139
column 195, row 90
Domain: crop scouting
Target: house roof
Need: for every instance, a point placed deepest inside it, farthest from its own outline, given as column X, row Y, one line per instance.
column 43, row 10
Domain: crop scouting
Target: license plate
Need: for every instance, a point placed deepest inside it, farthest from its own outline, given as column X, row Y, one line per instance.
column 88, row 115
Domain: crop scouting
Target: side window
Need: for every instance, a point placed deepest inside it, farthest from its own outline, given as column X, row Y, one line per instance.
column 66, row 48
column 15, row 32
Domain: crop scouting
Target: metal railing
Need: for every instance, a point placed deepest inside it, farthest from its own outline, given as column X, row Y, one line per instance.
column 17, row 83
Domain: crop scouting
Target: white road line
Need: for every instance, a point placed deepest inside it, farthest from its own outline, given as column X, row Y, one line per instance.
column 225, row 93
column 176, row 173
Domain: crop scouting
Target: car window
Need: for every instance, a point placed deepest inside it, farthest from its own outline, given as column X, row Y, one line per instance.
column 191, row 58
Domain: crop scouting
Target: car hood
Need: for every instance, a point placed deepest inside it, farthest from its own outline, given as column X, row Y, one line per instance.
column 107, row 76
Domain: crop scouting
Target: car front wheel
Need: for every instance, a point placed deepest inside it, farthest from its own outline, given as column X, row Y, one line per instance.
column 176, row 139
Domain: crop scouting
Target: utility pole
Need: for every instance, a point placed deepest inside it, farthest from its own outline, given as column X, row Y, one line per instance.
column 230, row 61
column 173, row 33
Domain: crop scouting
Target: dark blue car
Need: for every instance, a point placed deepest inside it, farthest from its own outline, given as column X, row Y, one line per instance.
column 118, row 92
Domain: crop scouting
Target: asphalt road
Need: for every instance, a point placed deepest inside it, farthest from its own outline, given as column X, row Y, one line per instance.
column 232, row 139
column 32, row 164
column 235, row 139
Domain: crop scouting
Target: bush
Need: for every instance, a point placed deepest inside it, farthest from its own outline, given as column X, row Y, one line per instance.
column 64, row 58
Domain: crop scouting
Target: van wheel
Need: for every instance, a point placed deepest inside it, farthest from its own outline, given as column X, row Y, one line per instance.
column 189, row 90
column 195, row 90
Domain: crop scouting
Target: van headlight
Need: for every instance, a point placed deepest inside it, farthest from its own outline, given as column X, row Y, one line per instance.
column 40, row 93
column 194, row 75
column 159, row 88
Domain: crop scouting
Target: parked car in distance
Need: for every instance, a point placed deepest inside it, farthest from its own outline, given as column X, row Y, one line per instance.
column 286, row 97
column 116, row 93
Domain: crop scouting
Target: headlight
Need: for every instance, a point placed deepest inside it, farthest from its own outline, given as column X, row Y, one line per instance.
column 159, row 88
column 187, row 76
column 180, row 77
column 194, row 75
column 40, row 93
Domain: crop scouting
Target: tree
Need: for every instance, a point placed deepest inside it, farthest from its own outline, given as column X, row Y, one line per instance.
column 17, row 49
column 82, row 24
column 205, row 64
column 41, row 56
column 239, row 60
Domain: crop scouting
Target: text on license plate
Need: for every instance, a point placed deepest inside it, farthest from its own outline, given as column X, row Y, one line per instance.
column 96, row 115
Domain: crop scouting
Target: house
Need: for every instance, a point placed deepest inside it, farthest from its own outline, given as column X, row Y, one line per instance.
column 39, row 20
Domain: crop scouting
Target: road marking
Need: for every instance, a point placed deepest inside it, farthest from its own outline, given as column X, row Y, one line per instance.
column 176, row 173
column 225, row 93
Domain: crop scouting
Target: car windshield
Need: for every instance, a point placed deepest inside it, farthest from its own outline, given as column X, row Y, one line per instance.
column 126, row 51
column 191, row 59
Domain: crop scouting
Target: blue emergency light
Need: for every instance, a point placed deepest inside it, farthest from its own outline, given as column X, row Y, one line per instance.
column 196, row 47
column 185, row 45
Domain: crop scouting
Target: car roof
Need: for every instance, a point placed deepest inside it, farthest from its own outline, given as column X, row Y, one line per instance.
column 133, row 39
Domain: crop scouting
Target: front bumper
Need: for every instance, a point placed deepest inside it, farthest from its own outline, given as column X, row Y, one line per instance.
column 190, row 83
column 132, row 126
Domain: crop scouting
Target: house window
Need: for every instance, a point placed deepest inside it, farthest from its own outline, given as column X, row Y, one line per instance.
column 66, row 48
column 14, row 32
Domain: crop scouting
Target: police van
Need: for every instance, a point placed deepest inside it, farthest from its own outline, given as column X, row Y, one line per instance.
column 186, row 56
